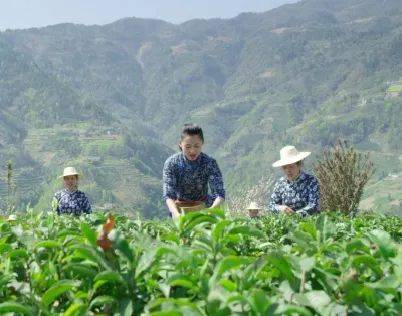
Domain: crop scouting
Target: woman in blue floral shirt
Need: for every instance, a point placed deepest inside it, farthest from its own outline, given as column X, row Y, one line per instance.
column 187, row 174
column 296, row 192
column 70, row 200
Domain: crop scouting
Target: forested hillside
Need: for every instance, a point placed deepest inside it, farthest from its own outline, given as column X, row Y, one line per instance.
column 111, row 99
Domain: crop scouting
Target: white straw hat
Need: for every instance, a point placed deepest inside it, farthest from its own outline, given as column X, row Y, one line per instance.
column 69, row 171
column 253, row 206
column 289, row 155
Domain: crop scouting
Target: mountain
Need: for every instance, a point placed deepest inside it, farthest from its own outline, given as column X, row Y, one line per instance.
column 111, row 99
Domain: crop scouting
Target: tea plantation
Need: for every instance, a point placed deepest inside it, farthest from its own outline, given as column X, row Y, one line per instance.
column 206, row 264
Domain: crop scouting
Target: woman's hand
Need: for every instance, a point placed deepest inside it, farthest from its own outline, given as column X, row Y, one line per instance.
column 218, row 201
column 286, row 209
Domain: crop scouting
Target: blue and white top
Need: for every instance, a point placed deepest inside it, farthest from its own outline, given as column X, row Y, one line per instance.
column 188, row 180
column 302, row 195
column 75, row 203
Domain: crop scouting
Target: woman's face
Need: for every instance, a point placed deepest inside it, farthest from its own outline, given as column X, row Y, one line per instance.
column 71, row 182
column 292, row 171
column 191, row 146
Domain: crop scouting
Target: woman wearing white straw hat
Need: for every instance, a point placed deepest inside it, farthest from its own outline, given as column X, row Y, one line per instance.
column 253, row 209
column 70, row 200
column 298, row 191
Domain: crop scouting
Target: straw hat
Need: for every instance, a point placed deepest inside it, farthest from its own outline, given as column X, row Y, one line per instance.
column 69, row 171
column 253, row 206
column 289, row 155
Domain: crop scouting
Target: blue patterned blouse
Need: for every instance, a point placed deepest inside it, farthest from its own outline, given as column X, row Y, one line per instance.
column 75, row 203
column 188, row 180
column 301, row 195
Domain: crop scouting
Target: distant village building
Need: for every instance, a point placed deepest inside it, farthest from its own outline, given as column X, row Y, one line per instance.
column 94, row 159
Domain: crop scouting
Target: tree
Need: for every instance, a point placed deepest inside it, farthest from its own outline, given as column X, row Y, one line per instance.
column 342, row 173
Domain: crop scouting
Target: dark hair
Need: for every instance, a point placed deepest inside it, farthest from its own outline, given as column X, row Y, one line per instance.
column 191, row 130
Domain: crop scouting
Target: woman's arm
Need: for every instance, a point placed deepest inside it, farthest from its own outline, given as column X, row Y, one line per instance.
column 216, row 185
column 172, row 208
column 169, row 188
column 275, row 203
column 217, row 202
column 313, row 201
column 86, row 206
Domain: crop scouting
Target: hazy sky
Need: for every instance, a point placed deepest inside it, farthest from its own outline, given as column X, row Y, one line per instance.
column 35, row 13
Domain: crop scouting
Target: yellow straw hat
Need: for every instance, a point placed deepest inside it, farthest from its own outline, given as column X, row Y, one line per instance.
column 69, row 171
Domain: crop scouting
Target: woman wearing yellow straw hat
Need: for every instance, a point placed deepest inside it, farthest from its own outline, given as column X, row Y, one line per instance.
column 298, row 191
column 70, row 200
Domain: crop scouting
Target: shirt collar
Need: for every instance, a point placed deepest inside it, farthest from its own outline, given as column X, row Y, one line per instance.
column 301, row 177
column 191, row 161
column 70, row 192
